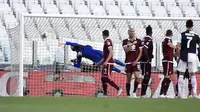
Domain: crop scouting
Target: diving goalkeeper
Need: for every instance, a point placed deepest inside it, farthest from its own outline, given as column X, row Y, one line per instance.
column 88, row 52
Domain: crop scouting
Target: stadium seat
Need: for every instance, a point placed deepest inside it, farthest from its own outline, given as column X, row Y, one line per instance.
column 189, row 11
column 10, row 21
column 62, row 2
column 5, row 9
column 66, row 9
column 174, row 11
column 18, row 9
column 93, row 2
column 113, row 10
column 138, row 3
column 35, row 8
column 184, row 2
column 50, row 9
column 3, row 1
column 123, row 2
column 83, row 10
column 154, row 2
column 169, row 2
column 15, row 1
column 98, row 10
column 144, row 11
column 128, row 10
column 43, row 2
column 159, row 11
column 31, row 1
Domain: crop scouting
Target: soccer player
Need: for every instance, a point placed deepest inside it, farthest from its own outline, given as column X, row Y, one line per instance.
column 147, row 44
column 88, row 52
column 133, row 49
column 187, row 45
column 167, row 62
column 108, row 63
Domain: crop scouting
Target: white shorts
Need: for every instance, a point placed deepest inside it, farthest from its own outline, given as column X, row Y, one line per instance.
column 191, row 65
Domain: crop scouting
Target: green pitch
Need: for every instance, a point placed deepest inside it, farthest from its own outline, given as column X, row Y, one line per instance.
column 49, row 104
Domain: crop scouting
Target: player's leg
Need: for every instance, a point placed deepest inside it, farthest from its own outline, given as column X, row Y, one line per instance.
column 181, row 68
column 178, row 73
column 165, row 80
column 128, row 78
column 137, row 75
column 146, row 79
column 192, row 69
column 187, row 76
column 168, row 77
column 111, row 82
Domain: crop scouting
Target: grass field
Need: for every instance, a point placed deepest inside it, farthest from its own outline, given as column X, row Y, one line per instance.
column 49, row 104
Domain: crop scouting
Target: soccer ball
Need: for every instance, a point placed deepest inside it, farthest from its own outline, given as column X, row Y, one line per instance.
column 46, row 35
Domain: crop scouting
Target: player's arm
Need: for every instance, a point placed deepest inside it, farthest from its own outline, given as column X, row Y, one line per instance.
column 140, row 54
column 110, row 54
column 79, row 57
column 171, row 45
column 128, row 47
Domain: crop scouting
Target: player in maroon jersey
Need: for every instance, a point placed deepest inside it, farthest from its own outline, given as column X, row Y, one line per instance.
column 146, row 62
column 108, row 64
column 167, row 62
column 133, row 49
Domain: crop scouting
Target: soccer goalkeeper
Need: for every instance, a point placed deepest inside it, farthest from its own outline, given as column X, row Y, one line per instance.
column 88, row 52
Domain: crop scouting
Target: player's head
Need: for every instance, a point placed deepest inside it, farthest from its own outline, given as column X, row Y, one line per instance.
column 189, row 24
column 169, row 33
column 105, row 34
column 149, row 30
column 131, row 33
column 73, row 48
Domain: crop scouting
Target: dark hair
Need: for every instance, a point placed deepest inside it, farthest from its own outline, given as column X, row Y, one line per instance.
column 189, row 23
column 169, row 33
column 148, row 30
column 105, row 33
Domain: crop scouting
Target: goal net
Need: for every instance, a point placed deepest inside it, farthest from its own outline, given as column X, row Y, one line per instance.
column 42, row 68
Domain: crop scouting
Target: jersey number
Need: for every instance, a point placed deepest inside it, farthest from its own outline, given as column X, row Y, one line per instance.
column 188, row 42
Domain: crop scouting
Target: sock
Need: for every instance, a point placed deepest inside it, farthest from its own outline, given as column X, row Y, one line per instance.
column 163, row 86
column 177, row 89
column 104, row 85
column 135, row 86
column 194, row 84
column 128, row 89
column 145, row 85
column 167, row 86
column 180, row 84
column 190, row 87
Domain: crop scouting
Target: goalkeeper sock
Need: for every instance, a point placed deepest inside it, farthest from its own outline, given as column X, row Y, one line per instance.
column 180, row 85
column 194, row 84
column 128, row 89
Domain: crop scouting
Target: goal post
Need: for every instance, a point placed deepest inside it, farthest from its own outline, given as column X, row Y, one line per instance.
column 47, row 69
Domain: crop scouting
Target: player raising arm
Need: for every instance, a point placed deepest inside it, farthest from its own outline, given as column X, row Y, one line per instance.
column 108, row 63
column 187, row 44
column 133, row 50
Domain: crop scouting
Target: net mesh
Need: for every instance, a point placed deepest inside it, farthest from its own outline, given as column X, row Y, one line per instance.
column 49, row 67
